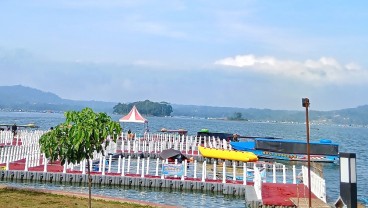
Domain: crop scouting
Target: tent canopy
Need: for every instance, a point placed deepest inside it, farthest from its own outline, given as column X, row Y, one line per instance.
column 133, row 116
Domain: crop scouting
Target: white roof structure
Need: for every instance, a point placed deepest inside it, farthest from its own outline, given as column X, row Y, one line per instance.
column 133, row 116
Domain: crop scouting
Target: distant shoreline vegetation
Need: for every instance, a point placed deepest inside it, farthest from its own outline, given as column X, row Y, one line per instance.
column 237, row 116
column 145, row 107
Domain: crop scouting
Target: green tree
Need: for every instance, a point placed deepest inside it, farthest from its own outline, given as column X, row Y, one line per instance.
column 237, row 116
column 82, row 134
column 146, row 108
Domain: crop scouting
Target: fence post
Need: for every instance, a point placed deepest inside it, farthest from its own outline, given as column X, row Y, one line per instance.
column 110, row 161
column 103, row 165
column 119, row 161
column 223, row 172
column 234, row 171
column 195, row 169
column 83, row 167
column 214, row 170
column 204, row 171
column 26, row 165
column 162, row 173
column 123, row 167
column 128, row 169
column 138, row 160
column 147, row 169
column 142, row 175
column 45, row 164
column 294, row 175
column 157, row 163
column 65, row 164
column 245, row 173
column 274, row 173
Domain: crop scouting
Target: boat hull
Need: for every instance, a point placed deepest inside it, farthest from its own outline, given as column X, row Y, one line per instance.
column 250, row 147
column 294, row 157
column 228, row 154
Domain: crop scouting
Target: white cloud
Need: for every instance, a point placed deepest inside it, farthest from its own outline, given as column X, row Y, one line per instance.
column 323, row 70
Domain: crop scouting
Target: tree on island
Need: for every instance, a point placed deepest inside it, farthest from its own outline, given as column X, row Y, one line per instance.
column 82, row 134
column 237, row 116
column 146, row 108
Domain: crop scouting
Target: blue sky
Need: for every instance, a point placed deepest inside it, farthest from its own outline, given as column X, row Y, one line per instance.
column 248, row 54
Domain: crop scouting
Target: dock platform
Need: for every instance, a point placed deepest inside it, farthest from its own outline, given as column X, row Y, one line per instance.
column 146, row 173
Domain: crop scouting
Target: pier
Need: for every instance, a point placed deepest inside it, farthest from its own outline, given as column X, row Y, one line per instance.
column 136, row 163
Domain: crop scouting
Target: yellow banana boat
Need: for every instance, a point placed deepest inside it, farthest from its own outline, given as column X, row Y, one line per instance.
column 228, row 154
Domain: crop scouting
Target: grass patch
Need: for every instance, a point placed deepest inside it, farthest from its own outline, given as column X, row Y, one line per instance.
column 18, row 198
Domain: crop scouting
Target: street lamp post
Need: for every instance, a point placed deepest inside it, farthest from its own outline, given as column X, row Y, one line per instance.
column 305, row 103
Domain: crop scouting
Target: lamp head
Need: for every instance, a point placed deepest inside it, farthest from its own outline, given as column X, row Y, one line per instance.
column 305, row 102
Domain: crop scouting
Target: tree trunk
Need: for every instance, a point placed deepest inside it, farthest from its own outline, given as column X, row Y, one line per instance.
column 89, row 184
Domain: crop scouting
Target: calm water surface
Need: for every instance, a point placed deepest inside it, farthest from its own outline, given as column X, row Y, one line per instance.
column 351, row 139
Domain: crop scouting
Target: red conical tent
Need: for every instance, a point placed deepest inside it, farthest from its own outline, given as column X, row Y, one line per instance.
column 133, row 116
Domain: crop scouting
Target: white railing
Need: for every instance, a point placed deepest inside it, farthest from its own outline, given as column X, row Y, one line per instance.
column 318, row 184
column 29, row 150
column 158, row 142
column 257, row 182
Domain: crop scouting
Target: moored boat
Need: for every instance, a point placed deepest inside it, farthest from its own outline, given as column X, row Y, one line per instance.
column 174, row 131
column 292, row 150
column 205, row 133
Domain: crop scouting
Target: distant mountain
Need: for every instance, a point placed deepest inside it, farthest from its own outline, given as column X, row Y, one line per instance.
column 357, row 116
column 351, row 116
column 21, row 98
column 226, row 112
column 19, row 94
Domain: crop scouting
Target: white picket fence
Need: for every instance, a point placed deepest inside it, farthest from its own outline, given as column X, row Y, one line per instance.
column 318, row 184
column 27, row 147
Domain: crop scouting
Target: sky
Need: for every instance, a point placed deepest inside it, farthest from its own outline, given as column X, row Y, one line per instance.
column 236, row 53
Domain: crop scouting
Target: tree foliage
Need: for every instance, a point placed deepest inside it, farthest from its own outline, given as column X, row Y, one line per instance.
column 145, row 107
column 79, row 136
column 237, row 116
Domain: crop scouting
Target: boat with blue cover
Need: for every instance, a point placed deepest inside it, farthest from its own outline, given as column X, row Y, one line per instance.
column 293, row 150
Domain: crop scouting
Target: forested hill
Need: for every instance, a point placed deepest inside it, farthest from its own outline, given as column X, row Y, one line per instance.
column 19, row 94
column 20, row 98
column 351, row 116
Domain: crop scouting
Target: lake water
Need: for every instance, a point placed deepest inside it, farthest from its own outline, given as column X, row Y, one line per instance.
column 352, row 139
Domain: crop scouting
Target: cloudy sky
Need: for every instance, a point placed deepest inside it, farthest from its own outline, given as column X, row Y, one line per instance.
column 237, row 53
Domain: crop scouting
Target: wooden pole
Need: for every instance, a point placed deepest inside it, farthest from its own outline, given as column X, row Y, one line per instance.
column 306, row 105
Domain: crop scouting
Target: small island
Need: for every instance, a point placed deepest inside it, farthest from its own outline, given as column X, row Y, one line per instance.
column 237, row 116
column 145, row 107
